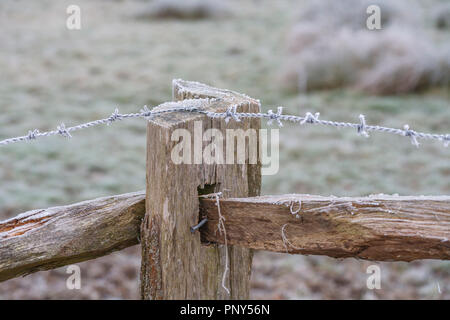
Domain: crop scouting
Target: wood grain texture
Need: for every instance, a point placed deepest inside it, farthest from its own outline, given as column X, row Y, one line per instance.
column 50, row 238
column 175, row 264
column 382, row 228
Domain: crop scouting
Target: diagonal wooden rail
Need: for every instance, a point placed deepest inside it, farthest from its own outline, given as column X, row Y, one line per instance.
column 50, row 238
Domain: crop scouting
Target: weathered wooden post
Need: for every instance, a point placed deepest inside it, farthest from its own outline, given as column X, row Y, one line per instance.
column 175, row 262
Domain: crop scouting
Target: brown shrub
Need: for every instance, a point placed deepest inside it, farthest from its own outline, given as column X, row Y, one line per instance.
column 332, row 48
column 185, row 9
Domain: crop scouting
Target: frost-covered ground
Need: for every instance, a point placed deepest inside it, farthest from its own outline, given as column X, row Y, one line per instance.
column 51, row 75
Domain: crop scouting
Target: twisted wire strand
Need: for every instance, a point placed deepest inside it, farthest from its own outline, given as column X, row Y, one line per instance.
column 232, row 115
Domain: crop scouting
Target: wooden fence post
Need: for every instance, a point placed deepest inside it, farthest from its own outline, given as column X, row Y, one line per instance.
column 175, row 263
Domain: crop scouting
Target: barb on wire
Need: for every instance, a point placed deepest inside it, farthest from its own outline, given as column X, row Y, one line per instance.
column 32, row 134
column 146, row 113
column 232, row 114
column 115, row 116
column 63, row 131
column 275, row 116
column 310, row 118
column 362, row 126
column 412, row 134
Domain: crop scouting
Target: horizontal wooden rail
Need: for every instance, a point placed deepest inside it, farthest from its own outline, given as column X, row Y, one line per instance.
column 50, row 238
column 383, row 228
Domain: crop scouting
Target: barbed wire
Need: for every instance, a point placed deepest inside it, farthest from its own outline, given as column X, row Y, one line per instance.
column 231, row 114
column 116, row 116
column 362, row 128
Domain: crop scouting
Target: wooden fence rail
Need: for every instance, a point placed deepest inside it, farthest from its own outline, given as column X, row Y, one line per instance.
column 382, row 228
column 179, row 264
column 50, row 238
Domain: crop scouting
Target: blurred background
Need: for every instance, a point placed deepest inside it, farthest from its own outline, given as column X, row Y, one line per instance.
column 306, row 55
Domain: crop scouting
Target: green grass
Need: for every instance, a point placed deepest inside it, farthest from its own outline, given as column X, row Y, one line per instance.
column 115, row 60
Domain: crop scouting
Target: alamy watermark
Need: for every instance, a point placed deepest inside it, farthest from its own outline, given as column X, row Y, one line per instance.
column 373, row 22
column 73, row 282
column 73, row 21
column 235, row 146
column 374, row 280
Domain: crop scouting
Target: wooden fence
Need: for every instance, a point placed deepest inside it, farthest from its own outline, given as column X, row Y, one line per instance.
column 179, row 264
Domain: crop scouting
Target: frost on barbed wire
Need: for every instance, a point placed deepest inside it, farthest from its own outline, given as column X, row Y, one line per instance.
column 231, row 114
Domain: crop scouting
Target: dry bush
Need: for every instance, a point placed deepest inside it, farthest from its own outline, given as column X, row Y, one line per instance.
column 185, row 9
column 352, row 13
column 330, row 47
column 441, row 16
